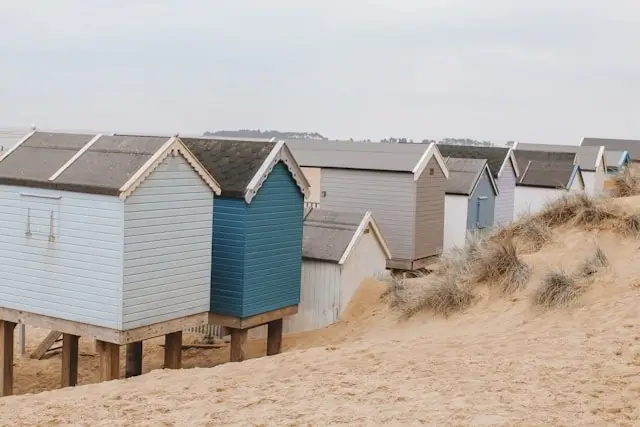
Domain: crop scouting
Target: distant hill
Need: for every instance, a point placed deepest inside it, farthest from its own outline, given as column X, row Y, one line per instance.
column 257, row 133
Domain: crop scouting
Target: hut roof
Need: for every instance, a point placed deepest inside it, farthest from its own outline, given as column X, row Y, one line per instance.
column 497, row 157
column 87, row 163
column 411, row 158
column 589, row 158
column 550, row 175
column 331, row 235
column 616, row 158
column 630, row 145
column 242, row 166
column 464, row 175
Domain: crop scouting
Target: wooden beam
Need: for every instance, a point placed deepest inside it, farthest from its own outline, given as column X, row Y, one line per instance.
column 274, row 337
column 133, row 364
column 238, row 344
column 46, row 344
column 252, row 321
column 6, row 357
column 109, row 360
column 100, row 332
column 22, row 333
column 173, row 350
column 69, row 360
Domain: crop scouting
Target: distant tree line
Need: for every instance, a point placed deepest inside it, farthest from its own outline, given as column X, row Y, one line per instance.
column 257, row 133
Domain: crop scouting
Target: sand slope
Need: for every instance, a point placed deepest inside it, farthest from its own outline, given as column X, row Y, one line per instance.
column 501, row 363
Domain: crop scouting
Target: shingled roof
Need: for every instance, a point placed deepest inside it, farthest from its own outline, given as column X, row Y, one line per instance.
column 242, row 166
column 365, row 155
column 525, row 156
column 496, row 156
column 331, row 235
column 588, row 157
column 630, row 145
column 87, row 163
column 549, row 175
column 464, row 175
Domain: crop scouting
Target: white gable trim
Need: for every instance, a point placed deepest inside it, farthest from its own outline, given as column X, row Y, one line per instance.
column 601, row 159
column 431, row 151
column 485, row 169
column 79, row 153
column 172, row 147
column 279, row 153
column 512, row 158
column 367, row 221
column 16, row 145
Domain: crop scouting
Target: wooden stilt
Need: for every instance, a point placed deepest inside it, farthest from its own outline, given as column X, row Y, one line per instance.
column 69, row 360
column 173, row 350
column 109, row 360
column 133, row 366
column 6, row 357
column 274, row 337
column 238, row 344
column 22, row 338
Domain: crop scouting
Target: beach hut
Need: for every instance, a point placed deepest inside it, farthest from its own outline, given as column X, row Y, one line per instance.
column 504, row 167
column 592, row 161
column 340, row 250
column 470, row 200
column 403, row 186
column 257, row 236
column 632, row 146
column 104, row 236
column 617, row 161
column 545, row 177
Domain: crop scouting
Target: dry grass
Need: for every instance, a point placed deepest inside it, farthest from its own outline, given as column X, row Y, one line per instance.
column 531, row 233
column 500, row 266
column 579, row 210
column 593, row 264
column 625, row 184
column 442, row 295
column 628, row 225
column 558, row 289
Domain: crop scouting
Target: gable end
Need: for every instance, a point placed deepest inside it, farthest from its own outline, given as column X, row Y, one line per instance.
column 279, row 153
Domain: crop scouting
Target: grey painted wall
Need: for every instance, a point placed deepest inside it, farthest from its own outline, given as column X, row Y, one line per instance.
column 429, row 227
column 505, row 202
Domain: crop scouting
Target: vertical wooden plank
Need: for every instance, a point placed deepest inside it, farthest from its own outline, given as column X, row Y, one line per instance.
column 173, row 350
column 133, row 365
column 6, row 357
column 109, row 360
column 238, row 344
column 22, row 338
column 274, row 337
column 69, row 360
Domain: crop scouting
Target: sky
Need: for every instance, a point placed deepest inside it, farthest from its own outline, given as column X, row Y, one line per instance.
column 549, row 71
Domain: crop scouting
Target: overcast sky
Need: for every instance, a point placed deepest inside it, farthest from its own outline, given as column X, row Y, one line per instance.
column 537, row 71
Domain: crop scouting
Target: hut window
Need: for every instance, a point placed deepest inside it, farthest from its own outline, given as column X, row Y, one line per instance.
column 41, row 216
column 431, row 171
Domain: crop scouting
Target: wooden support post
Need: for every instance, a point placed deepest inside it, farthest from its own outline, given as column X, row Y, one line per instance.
column 46, row 344
column 133, row 366
column 274, row 337
column 69, row 360
column 173, row 350
column 22, row 338
column 109, row 360
column 6, row 357
column 238, row 344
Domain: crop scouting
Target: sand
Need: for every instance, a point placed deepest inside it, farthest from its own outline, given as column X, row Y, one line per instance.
column 501, row 363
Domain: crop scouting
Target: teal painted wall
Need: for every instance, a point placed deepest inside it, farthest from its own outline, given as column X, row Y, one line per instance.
column 257, row 249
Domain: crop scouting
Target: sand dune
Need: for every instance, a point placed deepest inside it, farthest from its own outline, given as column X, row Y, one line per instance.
column 501, row 363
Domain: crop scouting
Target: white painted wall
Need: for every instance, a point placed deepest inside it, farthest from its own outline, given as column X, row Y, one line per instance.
column 314, row 176
column 77, row 277
column 366, row 260
column 167, row 246
column 533, row 199
column 455, row 221
column 327, row 287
